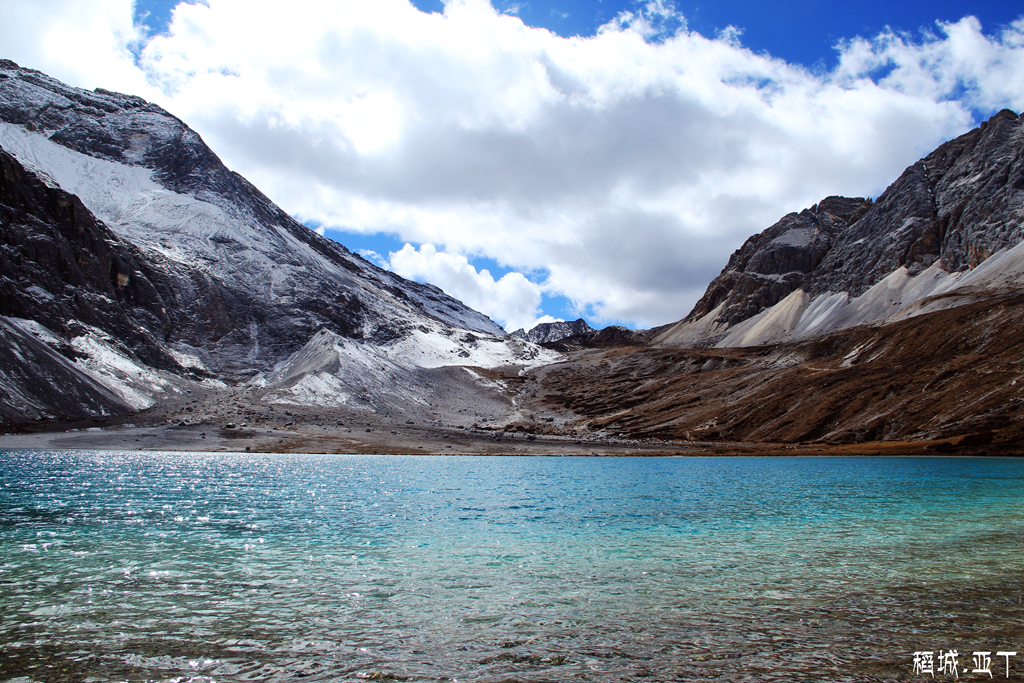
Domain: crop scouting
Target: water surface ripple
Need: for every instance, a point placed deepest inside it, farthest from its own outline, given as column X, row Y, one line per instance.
column 239, row 567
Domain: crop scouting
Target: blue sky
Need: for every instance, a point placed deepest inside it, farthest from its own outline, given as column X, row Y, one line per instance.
column 606, row 166
column 802, row 32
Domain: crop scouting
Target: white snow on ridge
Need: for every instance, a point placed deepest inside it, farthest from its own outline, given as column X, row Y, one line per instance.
column 331, row 370
column 434, row 349
column 178, row 226
column 104, row 186
column 277, row 266
column 896, row 297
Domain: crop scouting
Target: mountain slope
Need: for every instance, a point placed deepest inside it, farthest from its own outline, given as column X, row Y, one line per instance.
column 119, row 222
column 951, row 381
column 138, row 272
column 845, row 261
column 62, row 267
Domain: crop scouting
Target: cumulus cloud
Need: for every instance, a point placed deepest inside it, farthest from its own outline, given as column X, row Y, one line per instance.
column 512, row 301
column 625, row 166
column 655, row 20
column 88, row 44
column 962, row 63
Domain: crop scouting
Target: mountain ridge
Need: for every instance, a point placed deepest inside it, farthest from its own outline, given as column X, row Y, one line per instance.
column 126, row 130
column 546, row 333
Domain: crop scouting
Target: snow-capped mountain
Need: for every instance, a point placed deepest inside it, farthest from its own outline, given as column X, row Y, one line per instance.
column 949, row 227
column 544, row 333
column 121, row 227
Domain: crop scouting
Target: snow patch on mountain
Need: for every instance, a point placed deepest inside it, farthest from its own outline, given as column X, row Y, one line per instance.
column 228, row 241
column 136, row 384
column 331, row 370
column 433, row 348
column 896, row 297
column 103, row 359
column 179, row 227
column 238, row 239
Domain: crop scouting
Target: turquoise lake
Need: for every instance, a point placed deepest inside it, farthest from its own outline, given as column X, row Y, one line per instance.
column 254, row 567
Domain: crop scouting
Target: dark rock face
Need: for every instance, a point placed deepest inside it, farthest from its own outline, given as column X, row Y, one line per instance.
column 610, row 337
column 62, row 267
column 38, row 382
column 162, row 256
column 545, row 333
column 771, row 265
column 978, row 183
column 960, row 204
column 564, row 336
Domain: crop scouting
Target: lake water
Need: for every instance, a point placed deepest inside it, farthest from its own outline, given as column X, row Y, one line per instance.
column 239, row 567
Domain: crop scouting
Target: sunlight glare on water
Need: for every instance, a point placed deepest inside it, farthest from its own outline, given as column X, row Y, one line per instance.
column 237, row 567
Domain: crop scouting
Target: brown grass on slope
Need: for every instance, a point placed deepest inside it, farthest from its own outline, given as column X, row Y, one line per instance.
column 956, row 374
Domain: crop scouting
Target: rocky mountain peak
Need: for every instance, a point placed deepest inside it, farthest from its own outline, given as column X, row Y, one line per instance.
column 955, row 207
column 544, row 333
column 771, row 265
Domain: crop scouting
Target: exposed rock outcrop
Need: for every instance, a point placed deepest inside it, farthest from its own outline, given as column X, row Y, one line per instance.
column 771, row 265
column 256, row 282
column 544, row 333
column 63, row 268
column 960, row 204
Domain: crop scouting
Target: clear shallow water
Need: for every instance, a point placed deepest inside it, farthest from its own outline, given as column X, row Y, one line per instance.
column 238, row 567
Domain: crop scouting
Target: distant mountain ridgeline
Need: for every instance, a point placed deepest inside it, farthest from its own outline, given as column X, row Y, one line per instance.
column 847, row 324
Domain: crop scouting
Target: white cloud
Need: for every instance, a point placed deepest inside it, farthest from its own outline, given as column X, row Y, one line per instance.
column 939, row 66
column 512, row 301
column 87, row 44
column 626, row 168
column 655, row 20
column 374, row 257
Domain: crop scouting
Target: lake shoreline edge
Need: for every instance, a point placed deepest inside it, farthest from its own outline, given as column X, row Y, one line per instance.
column 359, row 439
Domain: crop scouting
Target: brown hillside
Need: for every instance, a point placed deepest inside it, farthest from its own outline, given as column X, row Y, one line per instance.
column 954, row 375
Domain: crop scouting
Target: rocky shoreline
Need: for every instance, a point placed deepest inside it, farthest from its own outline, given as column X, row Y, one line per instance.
column 368, row 436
